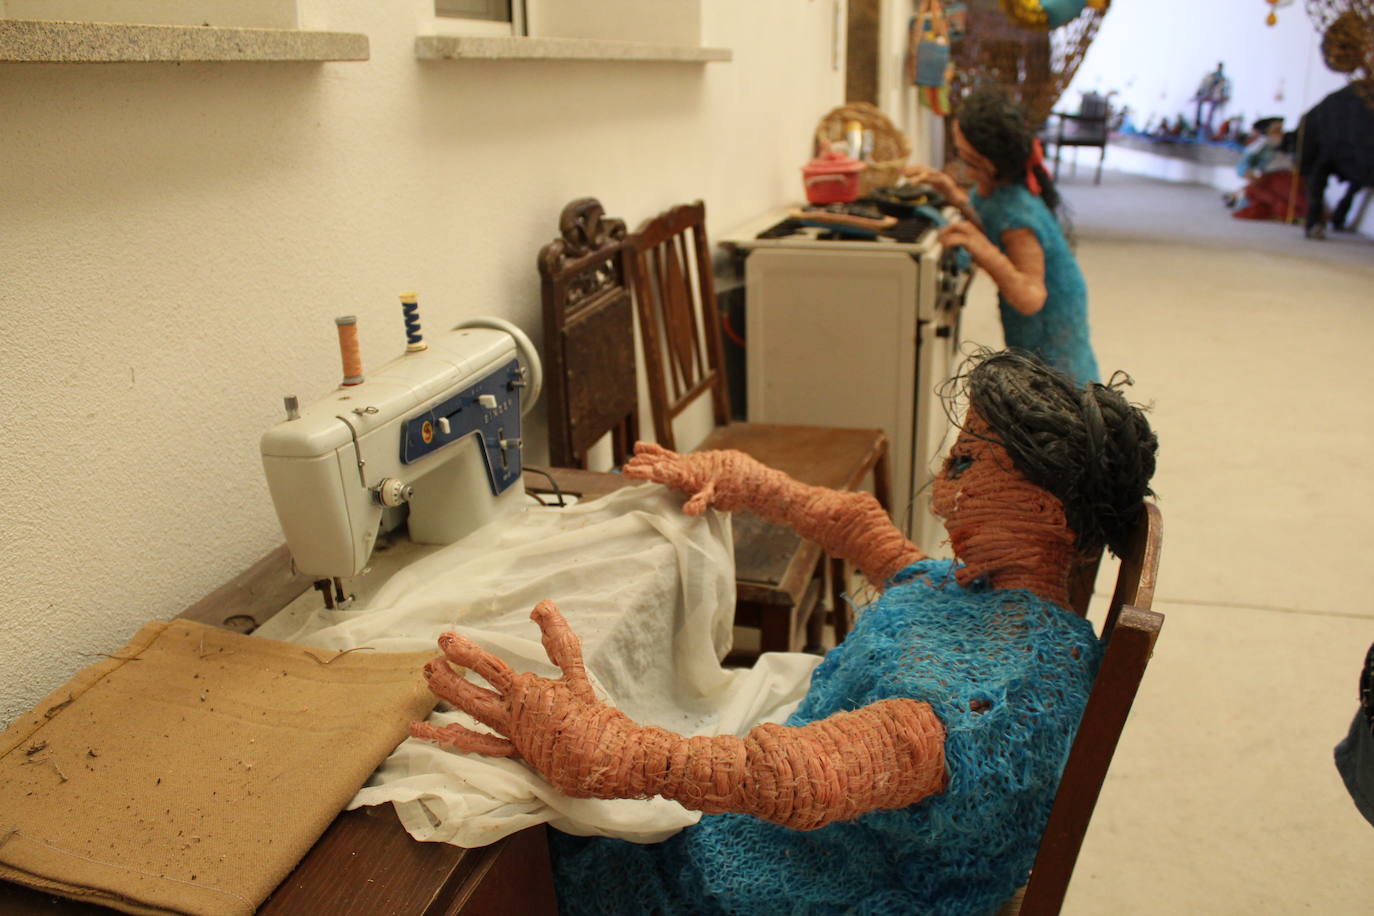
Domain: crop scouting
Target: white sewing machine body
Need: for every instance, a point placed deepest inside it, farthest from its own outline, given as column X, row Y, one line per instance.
column 437, row 429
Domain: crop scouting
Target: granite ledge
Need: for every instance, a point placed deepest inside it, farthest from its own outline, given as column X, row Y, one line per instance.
column 466, row 47
column 52, row 41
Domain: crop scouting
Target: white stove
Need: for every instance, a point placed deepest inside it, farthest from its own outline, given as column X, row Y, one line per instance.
column 844, row 331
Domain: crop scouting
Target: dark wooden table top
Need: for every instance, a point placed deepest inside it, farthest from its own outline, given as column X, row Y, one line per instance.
column 365, row 864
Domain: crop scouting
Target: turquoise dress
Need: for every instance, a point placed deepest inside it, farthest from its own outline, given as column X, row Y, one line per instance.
column 1058, row 333
column 1008, row 674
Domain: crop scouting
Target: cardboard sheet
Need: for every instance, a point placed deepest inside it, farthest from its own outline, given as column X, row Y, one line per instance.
column 190, row 771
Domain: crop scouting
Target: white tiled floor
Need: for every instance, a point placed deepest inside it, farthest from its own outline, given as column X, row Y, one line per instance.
column 1255, row 349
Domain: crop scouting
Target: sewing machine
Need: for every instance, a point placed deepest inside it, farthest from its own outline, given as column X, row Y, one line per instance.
column 432, row 440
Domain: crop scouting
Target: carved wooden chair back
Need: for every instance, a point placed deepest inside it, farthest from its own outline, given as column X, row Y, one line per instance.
column 589, row 346
column 684, row 358
column 1129, row 629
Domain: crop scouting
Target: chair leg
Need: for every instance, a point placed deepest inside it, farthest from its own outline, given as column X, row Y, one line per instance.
column 840, row 611
column 775, row 629
column 1097, row 179
column 882, row 482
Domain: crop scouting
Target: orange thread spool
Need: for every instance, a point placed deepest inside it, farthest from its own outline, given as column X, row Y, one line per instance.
column 349, row 350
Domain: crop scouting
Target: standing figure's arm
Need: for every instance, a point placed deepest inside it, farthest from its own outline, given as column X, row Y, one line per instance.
column 1019, row 272
column 850, row 525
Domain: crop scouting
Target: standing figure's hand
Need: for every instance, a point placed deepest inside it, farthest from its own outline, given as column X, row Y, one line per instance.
column 723, row 479
column 940, row 181
column 966, row 234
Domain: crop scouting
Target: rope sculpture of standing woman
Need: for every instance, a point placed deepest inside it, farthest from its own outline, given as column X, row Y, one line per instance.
column 1012, row 232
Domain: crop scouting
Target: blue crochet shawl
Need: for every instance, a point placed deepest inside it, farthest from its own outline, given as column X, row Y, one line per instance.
column 1007, row 672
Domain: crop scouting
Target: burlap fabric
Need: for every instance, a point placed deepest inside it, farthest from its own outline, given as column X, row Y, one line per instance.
column 190, row 771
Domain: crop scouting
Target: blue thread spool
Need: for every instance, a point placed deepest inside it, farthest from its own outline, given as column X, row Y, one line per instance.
column 410, row 306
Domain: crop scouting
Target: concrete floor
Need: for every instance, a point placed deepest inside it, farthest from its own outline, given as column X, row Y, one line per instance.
column 1252, row 346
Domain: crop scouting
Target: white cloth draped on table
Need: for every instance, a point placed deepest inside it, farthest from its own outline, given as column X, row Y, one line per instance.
column 651, row 593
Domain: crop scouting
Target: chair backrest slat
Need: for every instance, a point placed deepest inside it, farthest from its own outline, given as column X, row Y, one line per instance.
column 589, row 350
column 675, row 298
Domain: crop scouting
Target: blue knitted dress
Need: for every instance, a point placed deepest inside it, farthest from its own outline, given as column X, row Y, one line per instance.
column 1058, row 333
column 963, row 851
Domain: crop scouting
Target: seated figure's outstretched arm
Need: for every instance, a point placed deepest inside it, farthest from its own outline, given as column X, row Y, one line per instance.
column 850, row 525
column 889, row 754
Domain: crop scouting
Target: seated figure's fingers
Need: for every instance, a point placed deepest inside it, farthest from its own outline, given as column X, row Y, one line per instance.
column 463, row 651
column 652, row 461
column 701, row 500
column 564, row 648
column 652, row 448
column 464, row 739
column 482, row 704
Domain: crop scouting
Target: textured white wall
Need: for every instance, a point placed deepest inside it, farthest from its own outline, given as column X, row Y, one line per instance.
column 175, row 241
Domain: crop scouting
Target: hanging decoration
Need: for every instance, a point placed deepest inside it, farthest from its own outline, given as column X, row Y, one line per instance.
column 928, row 64
column 1274, row 7
column 1048, row 14
column 1347, row 30
column 932, row 45
column 1032, row 65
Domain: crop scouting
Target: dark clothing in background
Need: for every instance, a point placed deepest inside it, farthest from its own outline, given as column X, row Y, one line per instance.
column 1355, row 754
column 1337, row 140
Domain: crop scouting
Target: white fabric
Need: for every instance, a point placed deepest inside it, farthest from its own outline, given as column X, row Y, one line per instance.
column 650, row 592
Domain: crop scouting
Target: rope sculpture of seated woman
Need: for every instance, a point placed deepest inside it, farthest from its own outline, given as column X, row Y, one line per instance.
column 919, row 770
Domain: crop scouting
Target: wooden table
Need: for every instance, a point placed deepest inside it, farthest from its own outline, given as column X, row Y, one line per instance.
column 365, row 864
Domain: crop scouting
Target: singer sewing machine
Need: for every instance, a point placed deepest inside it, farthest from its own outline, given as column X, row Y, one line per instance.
column 432, row 440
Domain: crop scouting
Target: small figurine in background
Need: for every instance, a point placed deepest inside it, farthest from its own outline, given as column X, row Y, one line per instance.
column 1012, row 231
column 919, row 770
column 1180, row 129
column 1229, row 131
column 1266, row 136
column 1212, row 95
column 1274, row 190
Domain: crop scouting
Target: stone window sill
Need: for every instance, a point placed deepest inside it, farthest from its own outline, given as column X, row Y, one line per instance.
column 470, row 47
column 45, row 41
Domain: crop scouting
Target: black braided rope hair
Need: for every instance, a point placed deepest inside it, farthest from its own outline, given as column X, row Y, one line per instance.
column 1085, row 444
column 995, row 126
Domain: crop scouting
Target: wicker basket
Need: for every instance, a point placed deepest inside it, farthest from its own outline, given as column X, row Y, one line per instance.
column 890, row 146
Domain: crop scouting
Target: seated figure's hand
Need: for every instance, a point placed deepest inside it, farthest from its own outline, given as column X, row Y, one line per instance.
column 886, row 755
column 551, row 723
column 723, row 479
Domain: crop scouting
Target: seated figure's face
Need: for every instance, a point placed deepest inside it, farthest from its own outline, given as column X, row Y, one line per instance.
column 986, row 503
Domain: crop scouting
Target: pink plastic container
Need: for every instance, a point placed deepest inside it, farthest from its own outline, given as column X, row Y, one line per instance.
column 832, row 178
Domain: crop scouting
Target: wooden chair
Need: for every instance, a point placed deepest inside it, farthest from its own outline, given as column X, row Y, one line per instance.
column 589, row 344
column 1087, row 127
column 674, row 287
column 1129, row 630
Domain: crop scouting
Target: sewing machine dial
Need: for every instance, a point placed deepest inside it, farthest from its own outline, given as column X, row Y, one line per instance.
column 490, row 408
column 392, row 492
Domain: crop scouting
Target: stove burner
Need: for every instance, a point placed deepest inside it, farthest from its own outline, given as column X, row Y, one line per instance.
column 908, row 230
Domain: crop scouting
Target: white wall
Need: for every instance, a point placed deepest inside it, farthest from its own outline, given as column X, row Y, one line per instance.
column 1155, row 52
column 175, row 241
